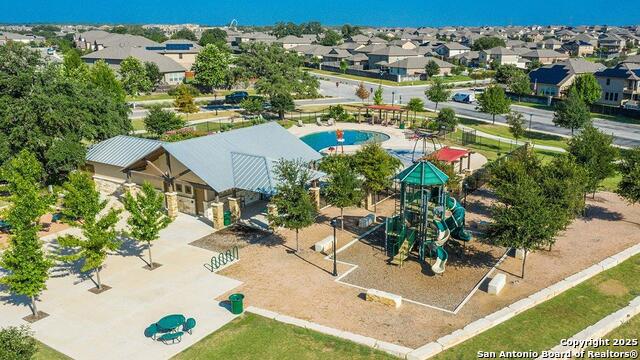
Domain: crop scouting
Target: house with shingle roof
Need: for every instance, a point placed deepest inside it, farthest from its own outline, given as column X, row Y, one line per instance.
column 412, row 66
column 545, row 56
column 555, row 80
column 619, row 84
column 450, row 49
column 498, row 56
column 381, row 58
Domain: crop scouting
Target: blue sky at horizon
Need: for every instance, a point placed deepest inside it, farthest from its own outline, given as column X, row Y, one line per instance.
column 374, row 12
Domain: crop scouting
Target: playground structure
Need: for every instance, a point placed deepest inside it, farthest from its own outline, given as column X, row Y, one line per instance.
column 426, row 217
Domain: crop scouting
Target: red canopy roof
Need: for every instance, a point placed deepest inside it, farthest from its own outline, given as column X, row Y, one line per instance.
column 385, row 107
column 448, row 154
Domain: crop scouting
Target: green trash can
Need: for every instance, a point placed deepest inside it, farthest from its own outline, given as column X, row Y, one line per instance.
column 237, row 306
column 401, row 125
column 227, row 218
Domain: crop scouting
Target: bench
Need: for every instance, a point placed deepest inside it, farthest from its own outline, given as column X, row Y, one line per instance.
column 366, row 221
column 165, row 338
column 496, row 284
column 324, row 245
column 384, row 298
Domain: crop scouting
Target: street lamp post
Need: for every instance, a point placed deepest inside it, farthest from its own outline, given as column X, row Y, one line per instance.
column 393, row 98
column 530, row 119
column 334, row 223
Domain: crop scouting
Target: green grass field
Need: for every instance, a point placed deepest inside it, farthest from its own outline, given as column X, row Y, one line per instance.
column 537, row 138
column 47, row 353
column 627, row 331
column 543, row 326
column 255, row 337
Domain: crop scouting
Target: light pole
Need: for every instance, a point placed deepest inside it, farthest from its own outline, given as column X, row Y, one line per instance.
column 400, row 99
column 335, row 264
column 530, row 119
column 393, row 97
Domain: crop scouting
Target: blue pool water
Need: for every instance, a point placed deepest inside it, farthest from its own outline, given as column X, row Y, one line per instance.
column 325, row 139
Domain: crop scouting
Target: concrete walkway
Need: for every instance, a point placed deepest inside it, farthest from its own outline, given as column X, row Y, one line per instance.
column 110, row 325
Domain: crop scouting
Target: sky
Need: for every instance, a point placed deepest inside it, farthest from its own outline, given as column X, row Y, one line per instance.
column 412, row 13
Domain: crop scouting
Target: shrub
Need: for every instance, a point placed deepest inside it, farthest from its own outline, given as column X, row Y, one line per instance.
column 16, row 343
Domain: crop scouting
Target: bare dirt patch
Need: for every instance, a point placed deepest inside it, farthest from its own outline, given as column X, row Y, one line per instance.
column 613, row 287
column 235, row 236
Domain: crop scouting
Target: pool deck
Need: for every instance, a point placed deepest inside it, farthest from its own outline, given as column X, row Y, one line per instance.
column 399, row 139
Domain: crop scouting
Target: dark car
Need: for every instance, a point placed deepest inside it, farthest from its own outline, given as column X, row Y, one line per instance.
column 236, row 97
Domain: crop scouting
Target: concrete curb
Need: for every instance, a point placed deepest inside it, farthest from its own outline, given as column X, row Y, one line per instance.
column 393, row 349
column 472, row 329
column 591, row 334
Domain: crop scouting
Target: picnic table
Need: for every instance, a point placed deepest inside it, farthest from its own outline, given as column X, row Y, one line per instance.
column 170, row 322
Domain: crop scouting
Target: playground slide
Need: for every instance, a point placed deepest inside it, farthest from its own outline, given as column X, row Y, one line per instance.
column 441, row 260
column 456, row 221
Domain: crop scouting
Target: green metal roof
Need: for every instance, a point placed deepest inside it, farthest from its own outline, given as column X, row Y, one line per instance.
column 422, row 173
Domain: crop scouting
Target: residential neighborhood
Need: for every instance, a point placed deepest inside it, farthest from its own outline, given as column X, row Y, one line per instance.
column 242, row 181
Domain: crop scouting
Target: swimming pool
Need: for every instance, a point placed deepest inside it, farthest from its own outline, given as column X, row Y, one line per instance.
column 325, row 139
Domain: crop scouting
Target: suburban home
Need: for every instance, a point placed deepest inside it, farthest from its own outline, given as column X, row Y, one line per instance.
column 619, row 84
column 350, row 46
column 471, row 58
column 290, row 41
column 183, row 52
column 359, row 61
column 359, row 39
column 554, row 80
column 450, row 49
column 95, row 40
column 172, row 72
column 381, row 58
column 335, row 55
column 413, row 66
column 21, row 38
column 201, row 176
column 551, row 44
column 545, row 56
column 579, row 48
column 611, row 43
column 498, row 56
column 255, row 37
column 405, row 44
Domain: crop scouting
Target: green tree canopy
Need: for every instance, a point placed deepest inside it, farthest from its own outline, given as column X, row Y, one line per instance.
column 376, row 166
column 416, row 105
column 184, row 102
column 377, row 95
column 215, row 36
column 158, row 121
column 438, row 92
column 212, row 67
column 505, row 74
column 494, row 101
column 593, row 151
column 81, row 198
column 587, row 88
column 147, row 216
column 348, row 31
column 344, row 188
column 296, row 210
column 487, row 42
column 572, row 113
column 432, row 69
column 629, row 167
column 17, row 343
column 520, row 84
column 330, row 38
column 447, row 119
column 185, row 34
column 515, row 120
column 152, row 71
column 133, row 76
column 281, row 103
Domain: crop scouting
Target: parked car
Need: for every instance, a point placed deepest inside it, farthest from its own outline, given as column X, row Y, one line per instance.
column 236, row 97
column 464, row 97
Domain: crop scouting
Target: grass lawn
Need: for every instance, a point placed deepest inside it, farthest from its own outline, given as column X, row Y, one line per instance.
column 47, row 353
column 616, row 118
column 543, row 326
column 611, row 183
column 255, row 337
column 629, row 330
column 537, row 138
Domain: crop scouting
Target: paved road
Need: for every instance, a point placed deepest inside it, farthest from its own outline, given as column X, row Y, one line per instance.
column 627, row 135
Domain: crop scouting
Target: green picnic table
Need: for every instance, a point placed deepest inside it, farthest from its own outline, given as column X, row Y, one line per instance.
column 170, row 322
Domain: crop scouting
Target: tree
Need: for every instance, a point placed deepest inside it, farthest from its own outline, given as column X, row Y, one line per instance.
column 416, row 105
column 184, row 101
column 534, row 64
column 487, row 42
column 349, row 31
column 153, row 73
column 629, row 167
column 493, row 101
column 158, row 121
column 17, row 343
column 147, row 216
column 587, row 88
column 432, row 69
column 377, row 168
column 25, row 262
column 520, row 84
column 72, row 64
column 447, row 119
column 343, row 187
column 98, row 231
column 252, row 105
column 515, row 120
column 564, row 184
column 438, row 92
column 64, row 155
column 282, row 102
column 185, row 34
column 133, row 76
column 330, row 38
column 572, row 113
column 344, row 66
column 593, row 151
column 212, row 67
column 103, row 77
column 81, row 198
column 215, row 36
column 377, row 95
column 506, row 73
column 295, row 208
column 362, row 92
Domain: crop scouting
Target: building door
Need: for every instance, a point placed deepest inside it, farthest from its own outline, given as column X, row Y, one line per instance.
column 199, row 192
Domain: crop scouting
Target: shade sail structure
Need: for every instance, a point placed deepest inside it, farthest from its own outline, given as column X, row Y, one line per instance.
column 423, row 173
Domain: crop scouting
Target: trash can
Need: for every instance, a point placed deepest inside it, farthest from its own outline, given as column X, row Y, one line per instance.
column 237, row 306
column 227, row 218
column 401, row 125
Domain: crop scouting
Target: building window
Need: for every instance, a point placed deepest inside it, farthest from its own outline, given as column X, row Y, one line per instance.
column 608, row 82
column 615, row 97
column 179, row 187
column 606, row 96
column 188, row 190
column 180, row 56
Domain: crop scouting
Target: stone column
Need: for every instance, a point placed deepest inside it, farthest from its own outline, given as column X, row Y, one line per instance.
column 172, row 204
column 234, row 207
column 130, row 188
column 272, row 210
column 368, row 201
column 315, row 196
column 217, row 215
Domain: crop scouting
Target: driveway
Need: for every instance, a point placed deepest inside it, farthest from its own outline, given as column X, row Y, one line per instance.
column 110, row 325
